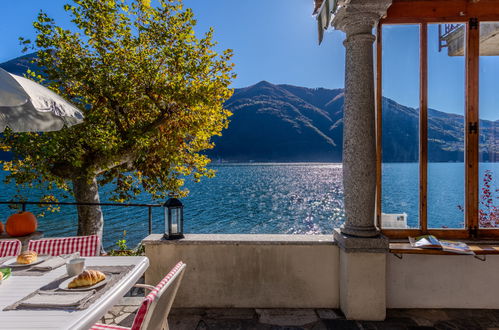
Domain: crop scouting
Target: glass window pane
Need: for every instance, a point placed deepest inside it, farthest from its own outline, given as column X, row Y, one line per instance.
column 446, row 109
column 489, row 125
column 400, row 131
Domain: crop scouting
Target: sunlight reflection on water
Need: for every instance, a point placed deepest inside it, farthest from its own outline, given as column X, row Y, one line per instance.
column 242, row 198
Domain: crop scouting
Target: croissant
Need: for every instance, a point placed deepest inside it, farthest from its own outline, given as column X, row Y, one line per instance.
column 87, row 278
column 27, row 257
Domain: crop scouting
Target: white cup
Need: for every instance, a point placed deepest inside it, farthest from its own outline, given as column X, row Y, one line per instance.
column 75, row 266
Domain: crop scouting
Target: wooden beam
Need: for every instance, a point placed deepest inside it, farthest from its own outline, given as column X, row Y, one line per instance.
column 407, row 11
column 423, row 126
column 471, row 124
column 406, row 248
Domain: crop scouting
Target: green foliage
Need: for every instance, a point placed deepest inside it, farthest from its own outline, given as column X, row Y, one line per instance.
column 152, row 94
column 122, row 242
column 123, row 248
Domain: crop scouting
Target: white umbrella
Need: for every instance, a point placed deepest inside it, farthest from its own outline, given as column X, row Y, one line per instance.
column 26, row 106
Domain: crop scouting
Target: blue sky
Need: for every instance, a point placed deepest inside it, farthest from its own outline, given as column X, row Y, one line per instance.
column 273, row 40
column 276, row 40
column 446, row 74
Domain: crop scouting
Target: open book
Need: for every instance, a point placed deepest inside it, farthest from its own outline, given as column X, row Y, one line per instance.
column 431, row 242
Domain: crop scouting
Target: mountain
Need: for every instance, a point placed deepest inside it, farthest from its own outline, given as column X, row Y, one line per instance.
column 285, row 123
column 280, row 123
column 290, row 123
column 20, row 65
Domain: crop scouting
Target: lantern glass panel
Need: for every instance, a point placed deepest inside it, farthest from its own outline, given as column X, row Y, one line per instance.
column 167, row 222
column 175, row 220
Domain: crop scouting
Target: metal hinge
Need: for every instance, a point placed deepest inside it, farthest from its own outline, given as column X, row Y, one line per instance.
column 473, row 232
column 473, row 127
column 473, row 23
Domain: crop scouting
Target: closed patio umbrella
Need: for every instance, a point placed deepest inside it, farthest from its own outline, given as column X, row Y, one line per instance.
column 26, row 106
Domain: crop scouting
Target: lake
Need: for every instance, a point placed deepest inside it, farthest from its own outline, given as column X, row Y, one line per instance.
column 297, row 198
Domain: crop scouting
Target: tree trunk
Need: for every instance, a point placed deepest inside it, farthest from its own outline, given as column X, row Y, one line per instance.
column 90, row 220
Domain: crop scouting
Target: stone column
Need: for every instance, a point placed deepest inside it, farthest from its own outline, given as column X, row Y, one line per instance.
column 357, row 19
column 362, row 248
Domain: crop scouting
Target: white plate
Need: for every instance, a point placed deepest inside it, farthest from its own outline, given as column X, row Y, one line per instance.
column 12, row 263
column 64, row 285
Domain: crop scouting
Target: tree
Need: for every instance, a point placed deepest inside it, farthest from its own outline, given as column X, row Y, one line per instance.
column 152, row 94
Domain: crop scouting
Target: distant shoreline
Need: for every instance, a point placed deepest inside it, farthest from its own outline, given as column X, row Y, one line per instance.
column 231, row 163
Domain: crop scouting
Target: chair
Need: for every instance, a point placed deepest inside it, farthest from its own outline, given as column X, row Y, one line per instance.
column 153, row 312
column 88, row 246
column 10, row 248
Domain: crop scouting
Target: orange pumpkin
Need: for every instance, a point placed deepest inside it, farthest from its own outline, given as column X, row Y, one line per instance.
column 1, row 227
column 21, row 224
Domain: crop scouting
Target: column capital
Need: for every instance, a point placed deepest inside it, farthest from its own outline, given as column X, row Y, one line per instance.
column 359, row 16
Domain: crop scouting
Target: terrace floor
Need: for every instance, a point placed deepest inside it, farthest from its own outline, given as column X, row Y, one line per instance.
column 313, row 319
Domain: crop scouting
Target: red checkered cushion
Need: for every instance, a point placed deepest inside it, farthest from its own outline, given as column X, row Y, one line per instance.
column 141, row 313
column 10, row 247
column 100, row 326
column 88, row 246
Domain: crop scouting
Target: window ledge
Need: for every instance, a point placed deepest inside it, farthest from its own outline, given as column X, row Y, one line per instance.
column 406, row 248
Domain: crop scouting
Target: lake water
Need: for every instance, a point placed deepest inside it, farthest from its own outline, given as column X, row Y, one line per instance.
column 269, row 198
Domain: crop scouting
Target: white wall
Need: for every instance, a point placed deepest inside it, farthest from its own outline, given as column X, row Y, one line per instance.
column 254, row 271
column 442, row 281
column 288, row 271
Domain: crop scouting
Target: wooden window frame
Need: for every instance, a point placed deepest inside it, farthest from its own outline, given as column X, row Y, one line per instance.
column 424, row 12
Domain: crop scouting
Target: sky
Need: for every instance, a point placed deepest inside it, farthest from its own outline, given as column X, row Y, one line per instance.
column 446, row 74
column 273, row 40
column 276, row 40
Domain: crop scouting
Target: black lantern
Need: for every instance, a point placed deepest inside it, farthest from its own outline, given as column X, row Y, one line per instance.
column 174, row 219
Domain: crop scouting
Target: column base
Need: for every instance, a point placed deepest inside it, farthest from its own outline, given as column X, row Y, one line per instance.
column 350, row 243
column 360, row 231
column 362, row 276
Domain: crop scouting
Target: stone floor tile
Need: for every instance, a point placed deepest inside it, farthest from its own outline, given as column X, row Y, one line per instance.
column 342, row 325
column 463, row 313
column 130, row 301
column 329, row 314
column 188, row 311
column 493, row 314
column 130, row 309
column 319, row 326
column 287, row 317
column 121, row 317
column 307, row 319
column 108, row 316
column 240, row 325
column 423, row 317
column 115, row 310
column 486, row 322
column 127, row 321
column 458, row 324
column 231, row 313
column 183, row 322
column 389, row 324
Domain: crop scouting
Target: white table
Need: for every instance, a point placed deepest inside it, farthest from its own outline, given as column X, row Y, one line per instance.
column 17, row 287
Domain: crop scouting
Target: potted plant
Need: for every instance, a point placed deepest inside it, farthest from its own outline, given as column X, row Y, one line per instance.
column 123, row 249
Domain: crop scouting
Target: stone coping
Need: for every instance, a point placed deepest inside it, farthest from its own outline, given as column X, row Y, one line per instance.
column 242, row 239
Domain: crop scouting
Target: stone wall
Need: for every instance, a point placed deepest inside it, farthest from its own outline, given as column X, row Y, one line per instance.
column 240, row 271
column 442, row 281
column 298, row 271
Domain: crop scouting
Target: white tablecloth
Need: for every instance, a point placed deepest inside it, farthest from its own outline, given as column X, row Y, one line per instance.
column 17, row 287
